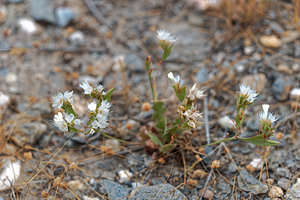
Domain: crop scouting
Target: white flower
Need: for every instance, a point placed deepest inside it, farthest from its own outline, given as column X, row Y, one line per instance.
column 102, row 121
column 175, row 79
column 69, row 118
column 68, row 96
column 247, row 92
column 104, row 108
column 77, row 122
column 58, row 101
column 88, row 89
column 92, row 106
column 265, row 115
column 193, row 116
column 163, row 35
column 195, row 93
column 91, row 132
column 59, row 122
column 95, row 124
column 100, row 89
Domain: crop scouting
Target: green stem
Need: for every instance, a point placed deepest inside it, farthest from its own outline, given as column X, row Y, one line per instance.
column 151, row 85
column 108, row 136
column 220, row 141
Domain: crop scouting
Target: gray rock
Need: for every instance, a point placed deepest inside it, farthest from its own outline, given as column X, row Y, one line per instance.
column 114, row 190
column 276, row 27
column 134, row 63
column 283, row 183
column 232, row 168
column 294, row 192
column 42, row 10
column 283, row 172
column 223, row 187
column 281, row 88
column 250, row 184
column 202, row 75
column 64, row 16
column 297, row 50
column 157, row 192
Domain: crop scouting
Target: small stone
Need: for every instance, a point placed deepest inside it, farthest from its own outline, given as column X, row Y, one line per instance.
column 257, row 163
column 248, row 183
column 295, row 93
column 296, row 67
column 76, row 184
column 281, row 88
column 11, row 78
column 42, row 10
column 77, row 38
column 3, row 13
column 297, row 50
column 9, row 173
column 202, row 75
column 14, row 1
column 294, row 192
column 276, row 27
column 90, row 198
column 290, row 36
column 199, row 173
column 284, row 68
column 249, row 50
column 112, row 145
column 223, row 187
column 124, row 175
column 283, row 172
column 226, row 122
column 257, row 81
column 4, row 101
column 64, row 16
column 27, row 26
column 207, row 194
column 135, row 185
column 270, row 41
column 161, row 191
column 275, row 192
column 283, row 183
column 114, row 190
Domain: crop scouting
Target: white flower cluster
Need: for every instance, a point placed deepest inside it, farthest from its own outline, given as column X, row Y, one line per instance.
column 88, row 89
column 62, row 98
column 176, row 79
column 193, row 116
column 195, row 93
column 165, row 36
column 248, row 93
column 266, row 116
column 98, row 109
column 101, row 114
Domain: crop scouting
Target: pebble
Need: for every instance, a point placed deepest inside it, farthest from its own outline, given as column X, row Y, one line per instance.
column 223, row 187
column 283, row 172
column 112, row 145
column 42, row 10
column 226, row 122
column 257, row 163
column 284, row 68
column 275, row 192
column 10, row 173
column 294, row 192
column 249, row 50
column 257, row 81
column 295, row 93
column 202, row 75
column 199, row 173
column 4, row 101
column 14, row 1
column 297, row 50
column 64, row 15
column 77, row 38
column 90, row 198
column 76, row 184
column 281, row 88
column 3, row 13
column 283, row 183
column 27, row 25
column 270, row 41
column 276, row 27
column 157, row 192
column 124, row 175
column 251, row 184
column 114, row 190
column 207, row 194
column 11, row 78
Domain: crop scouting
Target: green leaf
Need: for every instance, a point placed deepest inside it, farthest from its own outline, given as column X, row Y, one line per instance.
column 167, row 148
column 159, row 110
column 154, row 139
column 108, row 94
column 180, row 92
column 260, row 141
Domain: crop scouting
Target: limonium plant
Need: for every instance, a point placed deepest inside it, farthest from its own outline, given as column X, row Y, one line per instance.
column 267, row 120
column 98, row 108
column 166, row 130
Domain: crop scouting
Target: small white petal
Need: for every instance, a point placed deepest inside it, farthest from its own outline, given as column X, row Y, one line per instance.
column 88, row 89
column 77, row 122
column 163, row 35
column 69, row 118
column 68, row 96
column 92, row 106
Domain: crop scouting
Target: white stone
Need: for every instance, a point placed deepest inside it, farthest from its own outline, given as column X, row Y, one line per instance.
column 226, row 123
column 77, row 38
column 11, row 78
column 27, row 25
column 257, row 163
column 295, row 92
column 4, row 101
column 9, row 174
column 124, row 175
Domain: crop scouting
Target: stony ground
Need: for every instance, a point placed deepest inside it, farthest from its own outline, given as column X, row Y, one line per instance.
column 51, row 46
